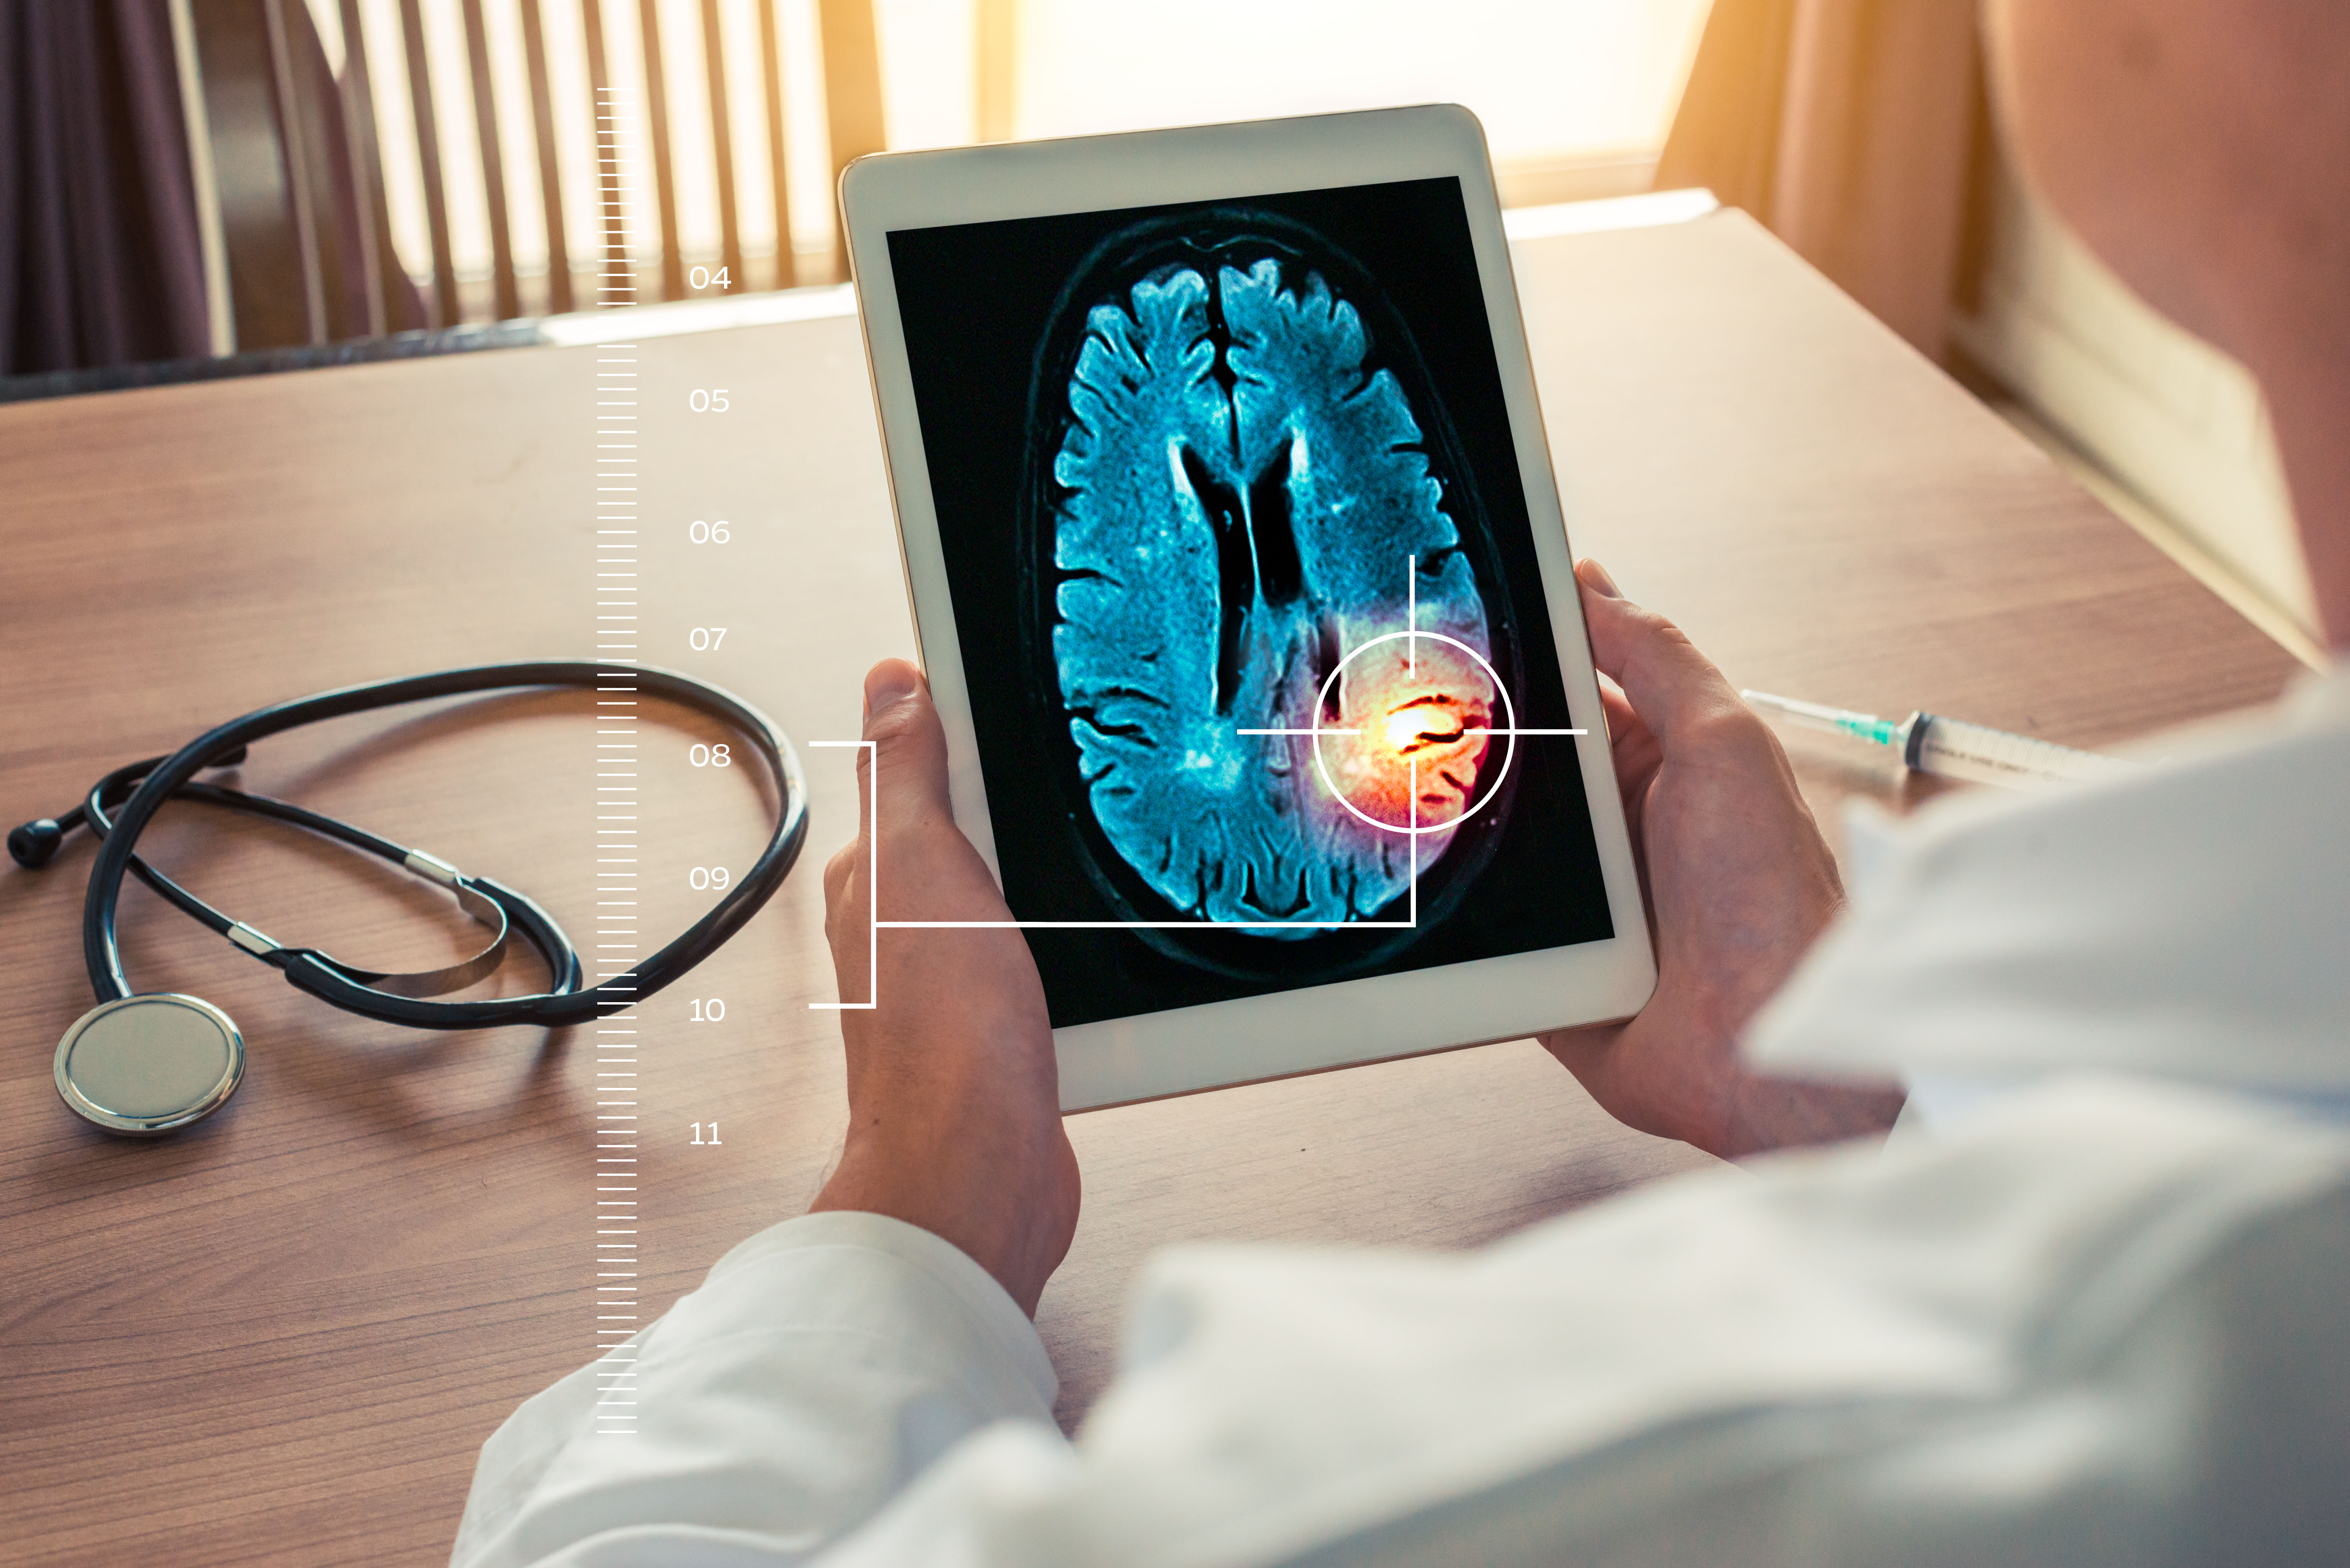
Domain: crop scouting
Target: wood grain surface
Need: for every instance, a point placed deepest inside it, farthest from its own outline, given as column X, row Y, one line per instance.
column 282, row 1337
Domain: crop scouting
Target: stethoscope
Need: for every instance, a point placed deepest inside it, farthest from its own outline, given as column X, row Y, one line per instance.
column 147, row 1063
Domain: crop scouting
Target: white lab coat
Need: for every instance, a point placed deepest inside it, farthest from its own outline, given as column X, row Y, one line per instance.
column 2102, row 1316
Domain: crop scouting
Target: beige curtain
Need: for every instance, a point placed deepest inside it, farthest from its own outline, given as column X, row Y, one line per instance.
column 1847, row 127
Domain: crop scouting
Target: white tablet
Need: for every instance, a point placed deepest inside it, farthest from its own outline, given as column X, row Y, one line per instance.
column 1241, row 582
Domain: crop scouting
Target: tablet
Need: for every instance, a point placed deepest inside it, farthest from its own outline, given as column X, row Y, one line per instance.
column 1239, row 578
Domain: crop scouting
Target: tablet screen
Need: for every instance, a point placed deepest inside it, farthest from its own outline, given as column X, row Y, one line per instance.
column 1261, row 670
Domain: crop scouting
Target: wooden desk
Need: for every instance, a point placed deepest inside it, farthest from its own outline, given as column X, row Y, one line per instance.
column 282, row 1337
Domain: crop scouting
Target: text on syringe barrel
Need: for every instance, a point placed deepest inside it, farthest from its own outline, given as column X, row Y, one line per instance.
column 1953, row 749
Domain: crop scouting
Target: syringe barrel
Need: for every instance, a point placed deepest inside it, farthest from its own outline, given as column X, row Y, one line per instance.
column 1953, row 749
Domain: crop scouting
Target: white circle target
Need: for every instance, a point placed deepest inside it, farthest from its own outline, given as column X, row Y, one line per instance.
column 1510, row 733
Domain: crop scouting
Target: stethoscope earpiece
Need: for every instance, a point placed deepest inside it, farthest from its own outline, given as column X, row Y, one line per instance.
column 36, row 844
column 144, row 1065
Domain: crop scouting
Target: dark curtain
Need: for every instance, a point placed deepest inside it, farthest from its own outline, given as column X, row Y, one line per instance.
column 99, row 262
column 264, row 262
column 322, row 112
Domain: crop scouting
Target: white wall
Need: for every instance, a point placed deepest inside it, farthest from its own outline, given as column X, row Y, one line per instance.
column 2178, row 424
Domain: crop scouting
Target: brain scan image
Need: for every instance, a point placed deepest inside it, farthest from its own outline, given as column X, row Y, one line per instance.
column 1245, row 498
column 1251, row 615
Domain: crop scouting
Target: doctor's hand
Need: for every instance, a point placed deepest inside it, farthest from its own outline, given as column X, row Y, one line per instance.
column 954, row 1114
column 1739, row 883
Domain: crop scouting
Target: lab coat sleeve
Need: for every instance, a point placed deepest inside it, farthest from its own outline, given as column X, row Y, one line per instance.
column 823, row 1365
column 2098, row 1326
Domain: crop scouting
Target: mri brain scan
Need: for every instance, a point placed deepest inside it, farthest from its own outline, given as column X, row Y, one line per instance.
column 1245, row 500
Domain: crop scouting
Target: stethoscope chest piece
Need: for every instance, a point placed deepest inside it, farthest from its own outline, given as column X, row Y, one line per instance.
column 148, row 1065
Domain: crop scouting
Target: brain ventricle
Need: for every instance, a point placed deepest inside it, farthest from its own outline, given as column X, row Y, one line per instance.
column 1247, row 509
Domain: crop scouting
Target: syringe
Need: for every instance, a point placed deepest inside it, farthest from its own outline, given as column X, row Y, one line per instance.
column 1948, row 747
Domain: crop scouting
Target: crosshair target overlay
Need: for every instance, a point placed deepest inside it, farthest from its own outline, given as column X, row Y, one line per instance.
column 1419, row 722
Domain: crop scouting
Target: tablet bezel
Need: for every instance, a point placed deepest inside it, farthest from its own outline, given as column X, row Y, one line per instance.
column 1314, row 1028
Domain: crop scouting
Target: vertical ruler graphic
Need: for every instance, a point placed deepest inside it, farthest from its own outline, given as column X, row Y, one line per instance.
column 618, row 475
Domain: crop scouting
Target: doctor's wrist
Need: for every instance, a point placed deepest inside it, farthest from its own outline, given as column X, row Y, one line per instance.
column 1768, row 1112
column 1006, row 1198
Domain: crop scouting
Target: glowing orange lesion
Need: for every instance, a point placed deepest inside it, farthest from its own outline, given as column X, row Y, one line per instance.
column 1421, row 727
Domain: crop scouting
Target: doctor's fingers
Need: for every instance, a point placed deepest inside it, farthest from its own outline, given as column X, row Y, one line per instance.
column 840, row 873
column 1631, row 745
column 908, row 751
column 909, row 859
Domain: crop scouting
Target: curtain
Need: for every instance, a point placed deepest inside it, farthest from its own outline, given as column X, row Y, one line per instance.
column 99, row 259
column 1847, row 127
column 100, row 262
column 248, row 125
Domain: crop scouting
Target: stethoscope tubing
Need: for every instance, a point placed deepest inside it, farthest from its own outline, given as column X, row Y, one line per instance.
column 312, row 971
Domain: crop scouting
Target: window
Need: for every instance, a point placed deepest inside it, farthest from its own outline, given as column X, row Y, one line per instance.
column 1575, row 95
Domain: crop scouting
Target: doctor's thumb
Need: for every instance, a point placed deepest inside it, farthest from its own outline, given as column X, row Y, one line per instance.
column 908, row 760
column 1669, row 683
